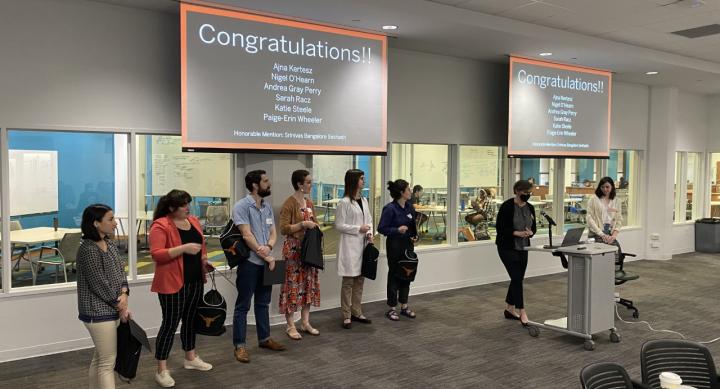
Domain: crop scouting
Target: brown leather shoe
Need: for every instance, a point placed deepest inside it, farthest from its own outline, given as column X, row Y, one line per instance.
column 242, row 355
column 272, row 345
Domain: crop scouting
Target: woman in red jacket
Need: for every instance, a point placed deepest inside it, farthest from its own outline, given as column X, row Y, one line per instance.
column 178, row 250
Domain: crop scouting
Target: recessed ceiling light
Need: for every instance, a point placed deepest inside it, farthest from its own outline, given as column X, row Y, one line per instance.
column 546, row 54
column 651, row 73
column 389, row 27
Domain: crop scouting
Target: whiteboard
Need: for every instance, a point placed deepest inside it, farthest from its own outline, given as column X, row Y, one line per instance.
column 479, row 166
column 430, row 166
column 200, row 174
column 330, row 169
column 34, row 182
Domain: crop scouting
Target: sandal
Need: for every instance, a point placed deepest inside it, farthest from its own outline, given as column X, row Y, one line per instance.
column 309, row 330
column 293, row 333
column 408, row 313
column 392, row 315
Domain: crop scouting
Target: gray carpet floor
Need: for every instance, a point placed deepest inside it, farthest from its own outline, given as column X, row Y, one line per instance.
column 459, row 340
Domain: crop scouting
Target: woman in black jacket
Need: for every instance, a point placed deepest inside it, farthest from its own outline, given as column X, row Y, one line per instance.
column 515, row 226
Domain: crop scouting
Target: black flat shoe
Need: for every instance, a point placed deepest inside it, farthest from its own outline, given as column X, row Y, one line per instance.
column 363, row 320
column 346, row 325
column 510, row 316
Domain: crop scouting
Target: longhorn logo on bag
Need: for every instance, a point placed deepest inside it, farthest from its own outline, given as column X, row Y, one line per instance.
column 208, row 320
column 408, row 271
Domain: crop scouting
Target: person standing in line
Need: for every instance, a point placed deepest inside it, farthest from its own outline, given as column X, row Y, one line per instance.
column 102, row 291
column 302, row 285
column 397, row 223
column 178, row 250
column 515, row 226
column 604, row 218
column 354, row 222
column 253, row 216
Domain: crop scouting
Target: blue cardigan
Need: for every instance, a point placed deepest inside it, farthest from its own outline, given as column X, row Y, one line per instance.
column 394, row 216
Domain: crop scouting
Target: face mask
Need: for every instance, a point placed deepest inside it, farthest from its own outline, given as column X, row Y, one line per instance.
column 525, row 197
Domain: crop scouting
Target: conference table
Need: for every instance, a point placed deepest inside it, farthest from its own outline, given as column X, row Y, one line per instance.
column 29, row 237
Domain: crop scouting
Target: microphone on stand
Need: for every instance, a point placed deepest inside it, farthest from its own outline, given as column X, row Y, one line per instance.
column 548, row 218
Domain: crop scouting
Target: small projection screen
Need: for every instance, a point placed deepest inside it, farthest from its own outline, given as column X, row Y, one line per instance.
column 265, row 84
column 558, row 110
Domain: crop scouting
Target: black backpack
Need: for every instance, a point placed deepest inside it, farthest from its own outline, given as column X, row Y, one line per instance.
column 211, row 312
column 407, row 266
column 233, row 245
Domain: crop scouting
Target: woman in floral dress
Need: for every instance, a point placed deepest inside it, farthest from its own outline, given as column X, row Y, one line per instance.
column 302, row 286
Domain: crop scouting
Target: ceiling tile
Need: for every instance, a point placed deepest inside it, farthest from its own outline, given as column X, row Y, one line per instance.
column 494, row 6
column 531, row 12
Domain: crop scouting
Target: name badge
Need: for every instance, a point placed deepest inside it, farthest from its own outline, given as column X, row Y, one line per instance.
column 269, row 221
column 409, row 215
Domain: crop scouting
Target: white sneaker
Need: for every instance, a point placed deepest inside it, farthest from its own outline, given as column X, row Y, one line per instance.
column 197, row 364
column 163, row 379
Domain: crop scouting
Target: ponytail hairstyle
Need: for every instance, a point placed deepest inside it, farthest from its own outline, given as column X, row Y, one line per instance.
column 397, row 188
column 167, row 204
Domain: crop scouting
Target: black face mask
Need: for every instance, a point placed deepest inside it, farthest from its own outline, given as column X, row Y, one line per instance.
column 525, row 197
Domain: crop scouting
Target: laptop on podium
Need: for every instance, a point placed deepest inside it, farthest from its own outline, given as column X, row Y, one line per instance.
column 572, row 237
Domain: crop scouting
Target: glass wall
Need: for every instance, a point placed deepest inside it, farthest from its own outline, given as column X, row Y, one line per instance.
column 715, row 184
column 691, row 181
column 624, row 168
column 207, row 177
column 581, row 177
column 481, row 191
column 426, row 167
column 541, row 172
column 687, row 172
column 54, row 176
column 329, row 187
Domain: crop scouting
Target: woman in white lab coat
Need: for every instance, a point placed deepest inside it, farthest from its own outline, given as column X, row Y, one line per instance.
column 354, row 222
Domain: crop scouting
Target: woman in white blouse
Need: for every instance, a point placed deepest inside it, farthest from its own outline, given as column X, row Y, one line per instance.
column 354, row 222
column 604, row 218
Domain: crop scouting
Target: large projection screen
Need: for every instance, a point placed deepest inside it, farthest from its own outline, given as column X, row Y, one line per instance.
column 265, row 84
column 558, row 110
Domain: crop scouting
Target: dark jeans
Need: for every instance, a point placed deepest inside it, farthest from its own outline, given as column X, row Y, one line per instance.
column 397, row 289
column 515, row 262
column 249, row 282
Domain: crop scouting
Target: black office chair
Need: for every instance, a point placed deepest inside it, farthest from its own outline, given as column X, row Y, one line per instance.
column 691, row 361
column 621, row 277
column 607, row 375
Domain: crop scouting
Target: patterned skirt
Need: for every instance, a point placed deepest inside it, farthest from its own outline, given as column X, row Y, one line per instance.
column 302, row 286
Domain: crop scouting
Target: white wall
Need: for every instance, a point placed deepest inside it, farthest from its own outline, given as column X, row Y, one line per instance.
column 630, row 115
column 85, row 64
column 89, row 64
column 692, row 122
column 713, row 133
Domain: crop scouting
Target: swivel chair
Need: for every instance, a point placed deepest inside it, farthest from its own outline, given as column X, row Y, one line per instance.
column 621, row 277
column 691, row 361
column 607, row 375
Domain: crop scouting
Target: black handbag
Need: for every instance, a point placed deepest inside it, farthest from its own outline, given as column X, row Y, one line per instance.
column 233, row 245
column 311, row 253
column 128, row 353
column 369, row 261
column 211, row 312
column 406, row 269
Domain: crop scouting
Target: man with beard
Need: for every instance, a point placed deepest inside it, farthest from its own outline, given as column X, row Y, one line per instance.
column 254, row 217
